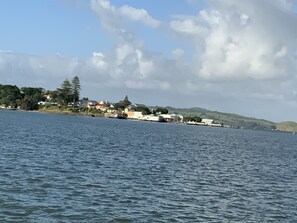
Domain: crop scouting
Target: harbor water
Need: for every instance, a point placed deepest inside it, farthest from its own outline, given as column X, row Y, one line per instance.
column 59, row 168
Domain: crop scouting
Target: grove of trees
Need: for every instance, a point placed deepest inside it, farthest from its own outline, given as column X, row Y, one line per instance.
column 123, row 104
column 9, row 95
column 192, row 119
column 69, row 92
column 160, row 110
column 145, row 110
column 30, row 98
column 27, row 98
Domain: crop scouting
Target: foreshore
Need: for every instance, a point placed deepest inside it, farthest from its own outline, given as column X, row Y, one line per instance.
column 60, row 112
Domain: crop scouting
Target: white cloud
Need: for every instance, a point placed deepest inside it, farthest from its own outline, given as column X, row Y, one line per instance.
column 122, row 53
column 128, row 62
column 178, row 54
column 242, row 40
column 244, row 19
column 147, row 85
column 98, row 60
column 139, row 15
column 188, row 27
column 145, row 66
column 112, row 16
column 35, row 70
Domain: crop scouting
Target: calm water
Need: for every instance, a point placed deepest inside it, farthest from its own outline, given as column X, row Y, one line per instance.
column 56, row 168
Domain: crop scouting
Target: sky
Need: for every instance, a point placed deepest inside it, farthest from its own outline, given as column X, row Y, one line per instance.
column 223, row 55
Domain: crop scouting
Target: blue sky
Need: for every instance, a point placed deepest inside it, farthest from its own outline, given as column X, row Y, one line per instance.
column 47, row 27
column 72, row 29
column 228, row 55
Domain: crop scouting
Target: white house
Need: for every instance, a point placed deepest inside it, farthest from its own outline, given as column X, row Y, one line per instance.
column 207, row 121
column 172, row 117
column 134, row 114
column 152, row 118
column 46, row 103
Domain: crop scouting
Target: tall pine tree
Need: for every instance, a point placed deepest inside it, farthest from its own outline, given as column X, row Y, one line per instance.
column 65, row 93
column 75, row 87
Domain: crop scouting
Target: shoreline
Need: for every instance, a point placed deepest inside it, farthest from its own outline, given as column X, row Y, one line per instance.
column 83, row 114
column 59, row 112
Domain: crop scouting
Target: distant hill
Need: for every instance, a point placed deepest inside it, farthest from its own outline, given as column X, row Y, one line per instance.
column 287, row 126
column 232, row 120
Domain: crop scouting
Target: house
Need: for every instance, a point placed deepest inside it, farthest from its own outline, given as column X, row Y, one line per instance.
column 210, row 122
column 207, row 121
column 83, row 103
column 47, row 97
column 172, row 117
column 92, row 104
column 46, row 103
column 110, row 109
column 101, row 106
column 152, row 118
column 134, row 114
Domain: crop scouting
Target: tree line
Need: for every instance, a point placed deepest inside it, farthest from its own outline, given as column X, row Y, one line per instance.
column 27, row 98
column 68, row 93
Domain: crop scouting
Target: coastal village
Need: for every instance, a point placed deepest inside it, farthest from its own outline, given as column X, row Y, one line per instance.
column 66, row 100
column 49, row 101
column 106, row 109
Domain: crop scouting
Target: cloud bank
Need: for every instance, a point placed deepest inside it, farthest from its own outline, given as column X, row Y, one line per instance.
column 243, row 58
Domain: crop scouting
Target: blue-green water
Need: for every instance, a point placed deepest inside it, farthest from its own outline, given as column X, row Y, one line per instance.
column 56, row 168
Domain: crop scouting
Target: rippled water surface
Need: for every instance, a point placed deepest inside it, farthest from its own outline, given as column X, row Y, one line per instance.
column 56, row 168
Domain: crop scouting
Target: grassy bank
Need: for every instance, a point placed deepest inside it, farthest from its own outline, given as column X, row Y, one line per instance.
column 69, row 111
column 287, row 126
column 232, row 120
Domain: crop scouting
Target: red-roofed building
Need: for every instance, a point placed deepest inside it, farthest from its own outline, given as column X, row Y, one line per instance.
column 101, row 106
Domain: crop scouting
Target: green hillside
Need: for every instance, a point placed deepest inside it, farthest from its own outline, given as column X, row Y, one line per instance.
column 232, row 120
column 287, row 126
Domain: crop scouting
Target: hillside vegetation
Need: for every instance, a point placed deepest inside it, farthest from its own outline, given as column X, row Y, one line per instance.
column 232, row 120
column 287, row 126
